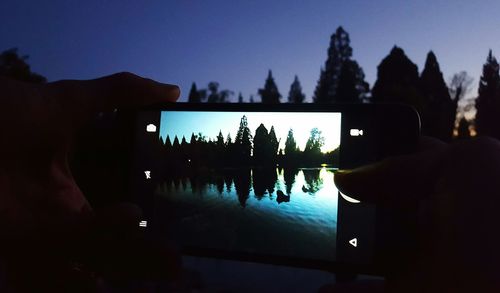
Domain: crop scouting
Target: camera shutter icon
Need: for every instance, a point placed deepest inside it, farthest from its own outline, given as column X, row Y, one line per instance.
column 151, row 128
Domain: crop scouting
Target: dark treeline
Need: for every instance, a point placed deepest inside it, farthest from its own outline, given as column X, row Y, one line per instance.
column 341, row 79
column 441, row 105
column 258, row 148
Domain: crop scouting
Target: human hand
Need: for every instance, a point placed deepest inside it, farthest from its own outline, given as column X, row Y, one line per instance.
column 43, row 213
column 457, row 190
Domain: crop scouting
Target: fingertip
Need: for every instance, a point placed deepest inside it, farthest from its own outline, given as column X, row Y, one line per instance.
column 173, row 92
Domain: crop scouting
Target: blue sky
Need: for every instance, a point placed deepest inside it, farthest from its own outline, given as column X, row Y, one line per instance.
column 236, row 42
column 210, row 123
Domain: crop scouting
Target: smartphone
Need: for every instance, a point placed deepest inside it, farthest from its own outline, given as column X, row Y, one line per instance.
column 255, row 182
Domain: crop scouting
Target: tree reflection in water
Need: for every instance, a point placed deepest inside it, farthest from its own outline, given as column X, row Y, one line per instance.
column 264, row 179
column 240, row 182
column 289, row 175
column 313, row 181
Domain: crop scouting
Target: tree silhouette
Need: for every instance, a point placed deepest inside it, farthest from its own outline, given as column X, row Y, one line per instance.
column 176, row 143
column 168, row 143
column 14, row 66
column 296, row 95
column 273, row 145
column 488, row 100
column 220, row 140
column 397, row 80
column 261, row 144
column 243, row 141
column 194, row 94
column 290, row 144
column 439, row 110
column 270, row 93
column 459, row 86
column 352, row 87
column 240, row 98
column 213, row 88
column 463, row 131
column 339, row 54
column 314, row 142
column 193, row 139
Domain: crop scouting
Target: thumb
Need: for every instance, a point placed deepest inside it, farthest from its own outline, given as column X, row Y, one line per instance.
column 394, row 180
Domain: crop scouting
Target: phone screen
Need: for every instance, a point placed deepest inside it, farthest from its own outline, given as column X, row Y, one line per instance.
column 257, row 182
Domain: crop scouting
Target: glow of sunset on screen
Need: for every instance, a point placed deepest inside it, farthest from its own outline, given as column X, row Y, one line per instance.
column 184, row 124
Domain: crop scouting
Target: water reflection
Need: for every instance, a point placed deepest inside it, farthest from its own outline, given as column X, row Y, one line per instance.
column 263, row 182
column 289, row 175
column 242, row 183
column 268, row 202
column 313, row 181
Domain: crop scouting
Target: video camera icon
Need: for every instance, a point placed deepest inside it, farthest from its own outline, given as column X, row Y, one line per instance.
column 356, row 132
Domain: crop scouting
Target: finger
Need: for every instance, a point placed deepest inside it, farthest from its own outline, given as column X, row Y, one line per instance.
column 395, row 180
column 121, row 90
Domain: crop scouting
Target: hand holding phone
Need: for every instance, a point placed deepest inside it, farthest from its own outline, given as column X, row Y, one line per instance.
column 457, row 218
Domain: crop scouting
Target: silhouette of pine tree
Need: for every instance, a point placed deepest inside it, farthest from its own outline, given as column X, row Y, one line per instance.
column 397, row 80
column 168, row 143
column 290, row 144
column 240, row 98
column 296, row 95
column 220, row 139
column 176, row 143
column 260, row 144
column 488, row 100
column 243, row 141
column 273, row 144
column 193, row 139
column 270, row 93
column 439, row 110
column 352, row 87
column 194, row 94
column 340, row 54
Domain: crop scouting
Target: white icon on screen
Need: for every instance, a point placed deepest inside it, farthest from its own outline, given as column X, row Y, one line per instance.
column 354, row 242
column 148, row 174
column 356, row 132
column 143, row 224
column 151, row 128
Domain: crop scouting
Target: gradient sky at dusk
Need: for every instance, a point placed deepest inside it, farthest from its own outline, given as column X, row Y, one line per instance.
column 236, row 42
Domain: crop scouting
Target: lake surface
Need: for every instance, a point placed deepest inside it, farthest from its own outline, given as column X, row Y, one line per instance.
column 289, row 212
